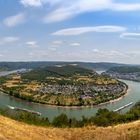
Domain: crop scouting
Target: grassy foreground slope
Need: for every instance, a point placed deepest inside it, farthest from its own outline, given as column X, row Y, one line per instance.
column 13, row 130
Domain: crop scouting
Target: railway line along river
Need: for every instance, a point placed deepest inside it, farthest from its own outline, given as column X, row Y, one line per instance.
column 133, row 95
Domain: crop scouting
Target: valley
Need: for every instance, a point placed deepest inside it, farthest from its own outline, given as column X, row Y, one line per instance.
column 63, row 86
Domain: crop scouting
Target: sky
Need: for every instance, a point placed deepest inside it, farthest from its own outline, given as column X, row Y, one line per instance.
column 70, row 30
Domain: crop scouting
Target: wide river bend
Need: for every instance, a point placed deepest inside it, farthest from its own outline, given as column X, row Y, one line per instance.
column 133, row 95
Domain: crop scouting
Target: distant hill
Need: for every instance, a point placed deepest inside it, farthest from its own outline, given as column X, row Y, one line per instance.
column 37, row 64
column 125, row 69
column 4, row 68
column 125, row 72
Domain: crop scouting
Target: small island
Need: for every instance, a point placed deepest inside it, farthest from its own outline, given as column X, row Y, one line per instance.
column 63, row 85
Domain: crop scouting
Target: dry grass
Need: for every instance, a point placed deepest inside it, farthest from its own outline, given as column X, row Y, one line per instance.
column 13, row 130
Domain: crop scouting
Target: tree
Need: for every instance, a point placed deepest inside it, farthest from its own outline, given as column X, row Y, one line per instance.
column 61, row 121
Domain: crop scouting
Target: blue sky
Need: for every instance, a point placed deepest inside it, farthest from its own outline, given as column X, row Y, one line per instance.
column 75, row 30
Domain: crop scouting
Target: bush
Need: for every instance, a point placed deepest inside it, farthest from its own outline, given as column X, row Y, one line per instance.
column 61, row 121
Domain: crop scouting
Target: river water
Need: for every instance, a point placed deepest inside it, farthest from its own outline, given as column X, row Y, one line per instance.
column 51, row 111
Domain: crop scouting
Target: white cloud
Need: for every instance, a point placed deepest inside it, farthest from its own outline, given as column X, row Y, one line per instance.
column 38, row 54
column 95, row 50
column 95, row 55
column 9, row 39
column 115, row 53
column 68, row 9
column 32, row 44
column 130, row 35
column 125, row 7
column 52, row 49
column 109, row 54
column 1, row 55
column 75, row 44
column 32, row 3
column 64, row 9
column 81, row 30
column 57, row 42
column 104, row 54
column 14, row 20
column 58, row 15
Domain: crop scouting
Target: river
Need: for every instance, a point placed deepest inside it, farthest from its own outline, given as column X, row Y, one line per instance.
column 133, row 95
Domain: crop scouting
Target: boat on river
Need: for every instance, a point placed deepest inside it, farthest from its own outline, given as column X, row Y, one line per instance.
column 119, row 109
column 24, row 109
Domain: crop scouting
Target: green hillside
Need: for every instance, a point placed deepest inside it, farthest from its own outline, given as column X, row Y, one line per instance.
column 40, row 74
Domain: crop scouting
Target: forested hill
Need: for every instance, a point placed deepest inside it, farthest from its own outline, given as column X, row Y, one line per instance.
column 37, row 64
column 56, row 71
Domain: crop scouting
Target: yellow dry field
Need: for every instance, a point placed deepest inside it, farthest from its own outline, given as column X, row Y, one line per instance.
column 13, row 130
